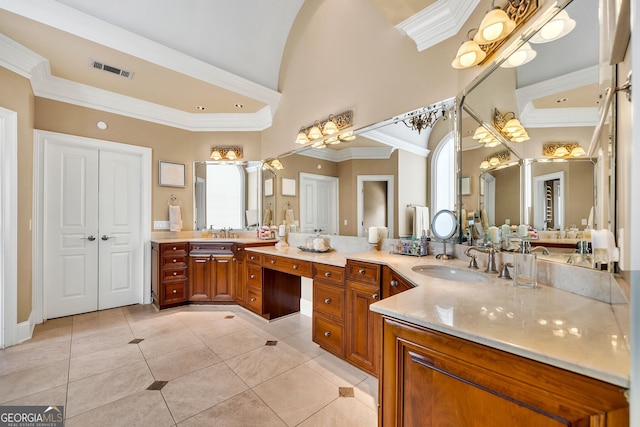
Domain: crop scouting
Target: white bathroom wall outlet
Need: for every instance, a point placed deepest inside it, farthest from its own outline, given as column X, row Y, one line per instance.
column 160, row 225
column 345, row 222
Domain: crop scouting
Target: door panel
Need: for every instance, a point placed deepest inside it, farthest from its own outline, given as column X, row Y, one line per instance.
column 120, row 244
column 70, row 230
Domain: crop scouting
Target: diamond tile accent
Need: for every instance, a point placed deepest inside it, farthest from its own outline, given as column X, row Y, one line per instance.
column 346, row 392
column 136, row 340
column 271, row 342
column 157, row 385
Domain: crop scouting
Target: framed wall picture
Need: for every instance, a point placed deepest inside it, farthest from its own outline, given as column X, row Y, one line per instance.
column 466, row 186
column 288, row 187
column 172, row 174
column 268, row 187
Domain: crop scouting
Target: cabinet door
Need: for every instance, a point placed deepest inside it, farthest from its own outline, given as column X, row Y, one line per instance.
column 223, row 273
column 240, row 282
column 200, row 278
column 363, row 326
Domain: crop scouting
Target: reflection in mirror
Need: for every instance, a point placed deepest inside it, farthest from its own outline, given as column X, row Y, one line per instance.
column 237, row 185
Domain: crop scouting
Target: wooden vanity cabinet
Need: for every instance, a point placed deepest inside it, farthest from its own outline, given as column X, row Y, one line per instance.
column 253, row 281
column 393, row 283
column 432, row 379
column 241, row 273
column 169, row 274
column 212, row 272
column 362, row 325
column 329, row 305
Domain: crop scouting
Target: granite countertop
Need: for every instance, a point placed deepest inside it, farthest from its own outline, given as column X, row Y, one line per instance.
column 545, row 324
column 243, row 240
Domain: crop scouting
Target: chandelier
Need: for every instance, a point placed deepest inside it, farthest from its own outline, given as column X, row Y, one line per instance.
column 423, row 118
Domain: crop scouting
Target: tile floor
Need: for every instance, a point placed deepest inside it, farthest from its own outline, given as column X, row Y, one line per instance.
column 189, row 366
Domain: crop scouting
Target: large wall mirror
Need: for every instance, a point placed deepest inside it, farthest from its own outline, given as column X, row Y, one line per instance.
column 541, row 181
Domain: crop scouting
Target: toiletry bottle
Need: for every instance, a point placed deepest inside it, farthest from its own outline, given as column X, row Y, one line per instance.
column 423, row 244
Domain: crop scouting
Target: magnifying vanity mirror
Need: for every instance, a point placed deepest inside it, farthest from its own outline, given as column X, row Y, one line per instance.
column 444, row 226
column 530, row 180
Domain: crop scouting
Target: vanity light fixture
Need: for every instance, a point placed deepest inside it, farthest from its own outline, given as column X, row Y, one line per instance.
column 559, row 150
column 272, row 164
column 485, row 137
column 327, row 127
column 495, row 159
column 496, row 26
column 559, row 26
column 226, row 153
column 509, row 126
column 520, row 57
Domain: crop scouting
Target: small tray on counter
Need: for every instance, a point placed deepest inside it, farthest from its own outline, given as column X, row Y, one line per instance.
column 315, row 251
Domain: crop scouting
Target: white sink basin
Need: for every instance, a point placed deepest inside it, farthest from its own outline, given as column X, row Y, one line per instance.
column 450, row 273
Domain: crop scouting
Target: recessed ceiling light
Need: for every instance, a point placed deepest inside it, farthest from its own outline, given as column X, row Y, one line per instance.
column 101, row 125
column 561, row 100
column 200, row 107
column 239, row 106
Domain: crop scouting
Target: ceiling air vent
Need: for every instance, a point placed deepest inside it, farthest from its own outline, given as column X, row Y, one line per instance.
column 111, row 69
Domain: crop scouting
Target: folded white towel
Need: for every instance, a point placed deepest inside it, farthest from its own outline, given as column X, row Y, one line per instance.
column 604, row 241
column 420, row 220
column 175, row 218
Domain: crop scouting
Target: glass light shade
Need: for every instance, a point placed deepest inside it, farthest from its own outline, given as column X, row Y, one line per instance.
column 480, row 133
column 520, row 57
column 512, row 125
column 231, row 155
column 302, row 138
column 561, row 151
column 468, row 55
column 558, row 27
column 315, row 132
column 276, row 164
column 495, row 26
column 215, row 155
column 317, row 144
column 492, row 144
column 329, row 127
column 347, row 136
column 332, row 140
column 577, row 152
column 494, row 161
column 484, row 165
column 521, row 138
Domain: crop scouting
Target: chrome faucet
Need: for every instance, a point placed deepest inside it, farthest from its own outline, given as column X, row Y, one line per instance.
column 545, row 251
column 489, row 250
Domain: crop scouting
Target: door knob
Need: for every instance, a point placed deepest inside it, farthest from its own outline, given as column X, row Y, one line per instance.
column 90, row 238
column 105, row 237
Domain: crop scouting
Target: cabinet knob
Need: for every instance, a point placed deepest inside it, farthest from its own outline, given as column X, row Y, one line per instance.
column 252, row 257
column 327, row 300
column 175, row 260
column 252, row 299
column 273, row 261
column 327, row 274
column 222, row 248
column 327, row 333
column 175, row 291
column 394, row 283
column 374, row 296
column 175, row 273
column 295, row 266
column 361, row 271
column 253, row 276
column 174, row 248
column 197, row 247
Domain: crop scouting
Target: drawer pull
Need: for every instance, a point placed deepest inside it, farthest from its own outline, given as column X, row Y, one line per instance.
column 394, row 283
column 222, row 248
column 175, row 273
column 175, row 291
column 175, row 260
column 253, row 276
column 327, row 300
column 252, row 299
column 374, row 296
column 361, row 271
column 273, row 261
column 327, row 334
column 174, row 248
column 327, row 274
column 252, row 257
column 197, row 248
column 295, row 266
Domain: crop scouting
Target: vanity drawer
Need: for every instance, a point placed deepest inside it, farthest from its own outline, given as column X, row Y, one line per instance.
column 363, row 272
column 393, row 283
column 329, row 335
column 328, row 273
column 328, row 300
column 175, row 292
column 173, row 262
column 174, row 274
column 218, row 248
column 287, row 265
column 254, row 275
column 254, row 299
column 173, row 249
column 254, row 258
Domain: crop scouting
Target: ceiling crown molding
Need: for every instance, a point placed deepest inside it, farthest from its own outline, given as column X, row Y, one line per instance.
column 350, row 153
column 398, row 143
column 437, row 22
column 34, row 67
column 88, row 27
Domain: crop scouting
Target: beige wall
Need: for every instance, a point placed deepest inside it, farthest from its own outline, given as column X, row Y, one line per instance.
column 16, row 95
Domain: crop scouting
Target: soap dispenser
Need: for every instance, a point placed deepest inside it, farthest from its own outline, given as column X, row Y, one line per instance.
column 525, row 267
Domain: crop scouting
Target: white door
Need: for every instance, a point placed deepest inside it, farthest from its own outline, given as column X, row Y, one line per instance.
column 93, row 252
column 318, row 204
column 120, row 251
column 70, row 230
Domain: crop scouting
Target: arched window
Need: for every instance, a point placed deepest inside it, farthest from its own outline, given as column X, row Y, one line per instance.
column 443, row 175
column 225, row 196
